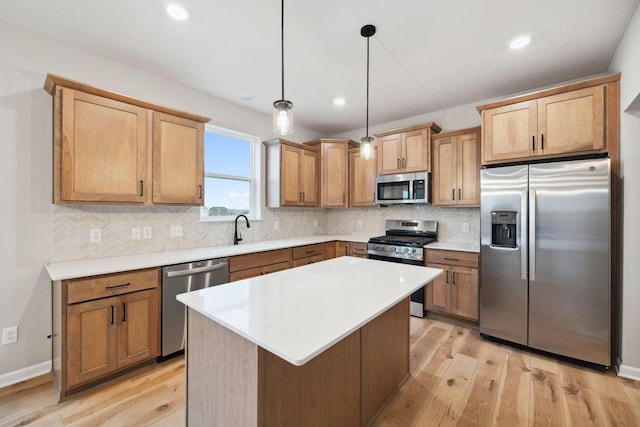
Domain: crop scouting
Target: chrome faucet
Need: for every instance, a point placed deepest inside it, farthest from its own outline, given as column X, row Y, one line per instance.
column 237, row 238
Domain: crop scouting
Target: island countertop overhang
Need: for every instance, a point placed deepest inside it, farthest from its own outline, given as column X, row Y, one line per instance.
column 297, row 314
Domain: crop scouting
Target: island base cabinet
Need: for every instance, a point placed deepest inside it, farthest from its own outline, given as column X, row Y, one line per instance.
column 232, row 381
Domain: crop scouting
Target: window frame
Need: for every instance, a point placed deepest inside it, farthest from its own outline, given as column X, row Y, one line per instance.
column 255, row 169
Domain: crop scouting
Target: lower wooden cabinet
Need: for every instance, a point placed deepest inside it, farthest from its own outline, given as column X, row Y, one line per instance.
column 259, row 263
column 456, row 291
column 103, row 325
column 308, row 254
column 358, row 249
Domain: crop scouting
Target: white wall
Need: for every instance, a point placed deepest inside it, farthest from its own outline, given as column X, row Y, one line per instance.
column 627, row 60
column 25, row 171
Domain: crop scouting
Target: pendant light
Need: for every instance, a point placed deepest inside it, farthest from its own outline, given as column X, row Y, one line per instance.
column 282, row 113
column 366, row 147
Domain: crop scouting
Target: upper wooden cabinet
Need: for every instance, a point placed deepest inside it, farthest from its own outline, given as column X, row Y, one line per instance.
column 405, row 150
column 575, row 119
column 456, row 168
column 112, row 149
column 334, row 171
column 292, row 174
column 362, row 179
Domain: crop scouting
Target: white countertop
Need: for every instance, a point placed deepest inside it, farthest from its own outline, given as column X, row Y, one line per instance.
column 298, row 313
column 93, row 267
column 462, row 247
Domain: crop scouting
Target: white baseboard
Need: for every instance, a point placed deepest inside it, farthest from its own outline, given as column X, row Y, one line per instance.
column 629, row 372
column 25, row 373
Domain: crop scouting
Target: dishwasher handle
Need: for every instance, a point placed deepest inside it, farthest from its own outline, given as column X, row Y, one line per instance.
column 197, row 270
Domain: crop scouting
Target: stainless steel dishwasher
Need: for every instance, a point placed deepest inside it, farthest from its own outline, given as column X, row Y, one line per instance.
column 178, row 279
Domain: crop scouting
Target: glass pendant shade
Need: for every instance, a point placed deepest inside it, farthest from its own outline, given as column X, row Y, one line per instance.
column 283, row 117
column 366, row 147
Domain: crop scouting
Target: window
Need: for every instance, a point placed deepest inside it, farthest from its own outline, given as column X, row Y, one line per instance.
column 231, row 175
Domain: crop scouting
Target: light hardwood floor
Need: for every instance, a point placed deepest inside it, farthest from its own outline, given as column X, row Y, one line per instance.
column 457, row 378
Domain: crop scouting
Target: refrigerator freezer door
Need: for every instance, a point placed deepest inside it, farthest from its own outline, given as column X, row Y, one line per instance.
column 503, row 270
column 569, row 310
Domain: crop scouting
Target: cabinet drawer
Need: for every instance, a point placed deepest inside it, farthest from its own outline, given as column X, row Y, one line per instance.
column 308, row 251
column 95, row 287
column 258, row 259
column 307, row 260
column 358, row 249
column 463, row 259
column 272, row 268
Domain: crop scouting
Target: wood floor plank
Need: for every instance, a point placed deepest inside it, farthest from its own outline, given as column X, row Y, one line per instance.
column 546, row 407
column 632, row 389
column 513, row 397
column 616, row 413
column 607, row 384
column 579, row 401
column 479, row 404
column 472, row 345
column 425, row 346
column 444, row 409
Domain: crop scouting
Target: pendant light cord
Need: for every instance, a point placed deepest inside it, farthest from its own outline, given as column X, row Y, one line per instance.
column 367, row 86
column 282, row 43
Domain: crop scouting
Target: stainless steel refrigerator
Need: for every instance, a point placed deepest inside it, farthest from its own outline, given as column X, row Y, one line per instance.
column 545, row 257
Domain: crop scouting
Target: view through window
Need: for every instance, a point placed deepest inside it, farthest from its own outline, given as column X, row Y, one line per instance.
column 231, row 174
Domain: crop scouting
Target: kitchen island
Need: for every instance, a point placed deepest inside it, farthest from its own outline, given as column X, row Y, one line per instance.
column 323, row 344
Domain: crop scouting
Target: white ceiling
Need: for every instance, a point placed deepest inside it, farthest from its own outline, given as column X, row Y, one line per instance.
column 426, row 55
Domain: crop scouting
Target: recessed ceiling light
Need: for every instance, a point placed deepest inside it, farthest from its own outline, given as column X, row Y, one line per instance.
column 246, row 97
column 339, row 101
column 177, row 12
column 519, row 42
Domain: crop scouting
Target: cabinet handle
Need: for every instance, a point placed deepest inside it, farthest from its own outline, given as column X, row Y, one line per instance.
column 300, row 196
column 124, row 312
column 459, row 194
column 542, row 141
column 447, row 278
column 374, row 196
column 451, row 259
column 124, row 285
column 453, row 194
column 112, row 314
column 454, row 277
column 303, row 197
column 398, row 163
column 141, row 188
column 404, row 163
column 200, row 191
column 310, row 251
column 533, row 143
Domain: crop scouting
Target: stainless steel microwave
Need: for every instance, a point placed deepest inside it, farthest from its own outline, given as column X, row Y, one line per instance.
column 403, row 188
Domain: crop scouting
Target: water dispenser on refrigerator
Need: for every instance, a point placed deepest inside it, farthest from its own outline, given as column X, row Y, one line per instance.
column 503, row 229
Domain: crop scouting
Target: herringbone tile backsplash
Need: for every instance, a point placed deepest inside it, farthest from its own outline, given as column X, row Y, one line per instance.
column 72, row 225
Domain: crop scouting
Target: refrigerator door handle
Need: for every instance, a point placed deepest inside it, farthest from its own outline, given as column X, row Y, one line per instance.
column 523, row 235
column 532, row 236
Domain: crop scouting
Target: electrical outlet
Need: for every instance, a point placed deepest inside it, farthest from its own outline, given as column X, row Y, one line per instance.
column 465, row 227
column 146, row 232
column 176, row 230
column 359, row 223
column 276, row 225
column 135, row 233
column 10, row 335
column 95, row 235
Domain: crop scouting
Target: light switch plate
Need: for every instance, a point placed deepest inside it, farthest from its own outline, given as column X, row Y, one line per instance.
column 135, row 233
column 465, row 227
column 176, row 230
column 95, row 235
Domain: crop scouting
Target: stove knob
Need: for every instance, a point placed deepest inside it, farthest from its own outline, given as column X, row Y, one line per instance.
column 407, row 250
column 391, row 249
column 413, row 250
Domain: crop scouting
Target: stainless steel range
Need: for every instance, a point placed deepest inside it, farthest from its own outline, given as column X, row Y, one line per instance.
column 404, row 242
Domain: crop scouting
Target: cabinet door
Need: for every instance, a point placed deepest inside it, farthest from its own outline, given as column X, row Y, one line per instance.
column 509, row 132
column 342, row 249
column 290, row 169
column 438, row 292
column 137, row 327
column 464, row 292
column 572, row 122
column 92, row 340
column 468, row 170
column 334, row 175
column 362, row 180
column 390, row 154
column 444, row 171
column 416, row 155
column 178, row 156
column 358, row 249
column 103, row 150
column 309, row 178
